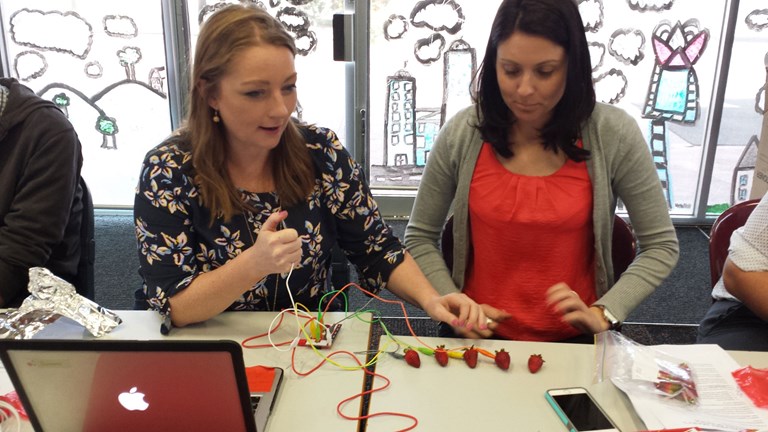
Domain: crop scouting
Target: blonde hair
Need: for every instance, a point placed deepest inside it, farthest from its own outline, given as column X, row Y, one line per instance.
column 228, row 32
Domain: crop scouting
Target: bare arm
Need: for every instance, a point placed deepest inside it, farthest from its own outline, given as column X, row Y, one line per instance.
column 409, row 283
column 751, row 287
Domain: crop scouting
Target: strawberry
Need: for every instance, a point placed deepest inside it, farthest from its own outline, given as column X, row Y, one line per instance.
column 412, row 357
column 470, row 356
column 502, row 359
column 535, row 362
column 441, row 355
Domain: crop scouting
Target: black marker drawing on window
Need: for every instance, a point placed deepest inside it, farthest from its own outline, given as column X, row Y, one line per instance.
column 757, row 20
column 395, row 27
column 120, row 26
column 438, row 15
column 611, row 86
column 673, row 92
column 596, row 54
column 627, row 46
column 650, row 5
column 592, row 14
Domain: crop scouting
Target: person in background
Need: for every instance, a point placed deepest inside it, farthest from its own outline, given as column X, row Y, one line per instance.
column 40, row 194
column 533, row 172
column 738, row 317
column 243, row 194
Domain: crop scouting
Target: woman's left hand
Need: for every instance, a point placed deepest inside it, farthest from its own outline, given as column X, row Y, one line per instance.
column 458, row 310
column 566, row 302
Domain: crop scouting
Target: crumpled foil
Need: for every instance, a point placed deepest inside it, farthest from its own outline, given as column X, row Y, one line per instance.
column 51, row 298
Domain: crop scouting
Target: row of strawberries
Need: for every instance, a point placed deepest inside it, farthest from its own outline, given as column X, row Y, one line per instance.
column 441, row 354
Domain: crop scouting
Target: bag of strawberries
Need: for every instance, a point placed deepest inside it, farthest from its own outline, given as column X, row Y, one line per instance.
column 636, row 368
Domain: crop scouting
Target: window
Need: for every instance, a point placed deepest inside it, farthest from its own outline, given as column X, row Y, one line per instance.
column 103, row 63
column 437, row 44
column 106, row 67
column 112, row 67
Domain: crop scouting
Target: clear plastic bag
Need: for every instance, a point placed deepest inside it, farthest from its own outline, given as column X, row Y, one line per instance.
column 644, row 370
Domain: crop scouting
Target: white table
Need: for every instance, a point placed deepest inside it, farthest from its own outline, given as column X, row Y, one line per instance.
column 456, row 398
column 303, row 403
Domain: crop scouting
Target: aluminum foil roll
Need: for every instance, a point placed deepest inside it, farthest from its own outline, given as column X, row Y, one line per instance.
column 51, row 298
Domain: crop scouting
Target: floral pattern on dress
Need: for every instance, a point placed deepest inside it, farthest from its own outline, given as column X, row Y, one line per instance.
column 177, row 241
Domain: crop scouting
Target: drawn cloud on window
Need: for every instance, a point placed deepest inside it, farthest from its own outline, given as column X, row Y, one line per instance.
column 395, row 27
column 297, row 22
column 596, row 54
column 757, row 20
column 67, row 33
column 429, row 49
column 611, row 86
column 274, row 3
column 293, row 19
column 30, row 65
column 627, row 45
column 120, row 26
column 592, row 14
column 438, row 15
column 93, row 69
column 305, row 41
column 650, row 5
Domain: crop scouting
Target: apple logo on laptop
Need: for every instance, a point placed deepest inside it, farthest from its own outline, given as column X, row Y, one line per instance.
column 133, row 400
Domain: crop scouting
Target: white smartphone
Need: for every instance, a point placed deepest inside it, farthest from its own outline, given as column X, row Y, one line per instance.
column 579, row 411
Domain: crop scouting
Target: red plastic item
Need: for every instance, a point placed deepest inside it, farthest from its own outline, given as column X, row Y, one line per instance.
column 754, row 383
column 259, row 378
column 13, row 399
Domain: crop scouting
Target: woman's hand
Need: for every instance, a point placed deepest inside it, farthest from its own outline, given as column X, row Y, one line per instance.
column 495, row 316
column 566, row 302
column 275, row 251
column 458, row 310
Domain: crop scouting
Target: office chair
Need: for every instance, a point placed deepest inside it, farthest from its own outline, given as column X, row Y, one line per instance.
column 623, row 249
column 720, row 235
column 84, row 281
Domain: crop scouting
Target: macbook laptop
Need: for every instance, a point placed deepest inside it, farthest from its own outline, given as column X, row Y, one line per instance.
column 99, row 385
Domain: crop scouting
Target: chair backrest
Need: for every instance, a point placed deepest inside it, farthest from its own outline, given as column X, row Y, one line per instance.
column 84, row 282
column 623, row 250
column 624, row 246
column 720, row 235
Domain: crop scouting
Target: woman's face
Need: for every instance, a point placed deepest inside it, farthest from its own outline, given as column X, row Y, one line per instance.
column 532, row 73
column 257, row 96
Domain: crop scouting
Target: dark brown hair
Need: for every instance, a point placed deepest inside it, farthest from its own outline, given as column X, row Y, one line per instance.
column 560, row 22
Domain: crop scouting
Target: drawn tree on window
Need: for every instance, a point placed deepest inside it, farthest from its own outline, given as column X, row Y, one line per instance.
column 107, row 126
column 128, row 57
column 62, row 101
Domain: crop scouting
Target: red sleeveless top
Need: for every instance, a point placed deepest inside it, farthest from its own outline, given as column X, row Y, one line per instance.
column 529, row 233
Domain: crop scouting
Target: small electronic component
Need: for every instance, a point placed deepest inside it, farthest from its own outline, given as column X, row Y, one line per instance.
column 325, row 339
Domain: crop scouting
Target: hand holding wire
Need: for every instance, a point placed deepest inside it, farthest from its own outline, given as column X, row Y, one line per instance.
column 277, row 250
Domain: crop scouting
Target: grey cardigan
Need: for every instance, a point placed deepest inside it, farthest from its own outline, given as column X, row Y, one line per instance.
column 620, row 167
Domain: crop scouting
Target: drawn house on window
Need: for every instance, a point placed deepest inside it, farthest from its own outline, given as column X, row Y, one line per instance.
column 400, row 120
column 744, row 172
column 427, row 126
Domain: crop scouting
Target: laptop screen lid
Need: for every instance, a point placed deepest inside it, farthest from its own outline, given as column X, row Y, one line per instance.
column 84, row 385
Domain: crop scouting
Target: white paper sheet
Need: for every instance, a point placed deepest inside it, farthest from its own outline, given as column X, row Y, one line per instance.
column 722, row 406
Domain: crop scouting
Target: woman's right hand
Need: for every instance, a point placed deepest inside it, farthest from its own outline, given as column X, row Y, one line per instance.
column 276, row 251
column 495, row 316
